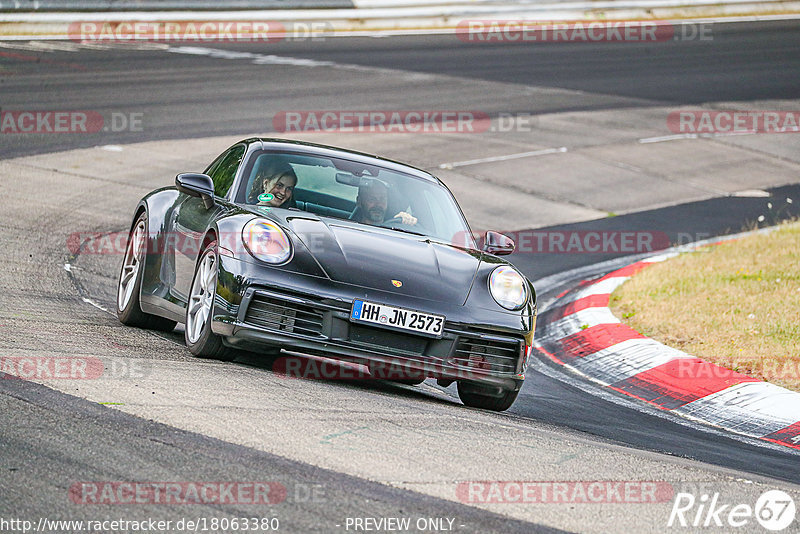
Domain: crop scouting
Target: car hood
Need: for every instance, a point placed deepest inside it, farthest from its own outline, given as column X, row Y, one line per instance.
column 387, row 260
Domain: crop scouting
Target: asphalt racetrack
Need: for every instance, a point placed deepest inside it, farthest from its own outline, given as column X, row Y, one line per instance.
column 578, row 140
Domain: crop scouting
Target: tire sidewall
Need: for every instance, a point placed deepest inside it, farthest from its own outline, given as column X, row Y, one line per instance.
column 132, row 313
column 199, row 346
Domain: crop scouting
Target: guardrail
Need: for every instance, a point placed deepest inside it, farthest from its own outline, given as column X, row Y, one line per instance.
column 165, row 5
column 376, row 16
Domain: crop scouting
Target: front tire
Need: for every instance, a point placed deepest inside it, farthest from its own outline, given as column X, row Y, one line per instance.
column 202, row 342
column 476, row 396
column 129, row 285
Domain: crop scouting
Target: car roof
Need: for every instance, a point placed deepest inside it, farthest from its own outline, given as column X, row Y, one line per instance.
column 314, row 149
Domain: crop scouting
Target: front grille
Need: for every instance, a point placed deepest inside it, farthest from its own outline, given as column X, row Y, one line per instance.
column 380, row 337
column 284, row 316
column 487, row 355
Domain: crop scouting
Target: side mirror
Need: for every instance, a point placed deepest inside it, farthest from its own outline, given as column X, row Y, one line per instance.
column 196, row 185
column 498, row 244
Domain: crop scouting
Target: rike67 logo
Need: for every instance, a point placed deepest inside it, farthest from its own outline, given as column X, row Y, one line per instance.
column 774, row 510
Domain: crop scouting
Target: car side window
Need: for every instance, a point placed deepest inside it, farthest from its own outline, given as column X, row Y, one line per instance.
column 223, row 170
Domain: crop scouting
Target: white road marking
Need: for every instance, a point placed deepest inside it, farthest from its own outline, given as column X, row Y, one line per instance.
column 751, row 193
column 271, row 59
column 41, row 46
column 123, row 45
column 678, row 137
column 518, row 155
column 61, row 46
column 662, row 138
column 95, row 304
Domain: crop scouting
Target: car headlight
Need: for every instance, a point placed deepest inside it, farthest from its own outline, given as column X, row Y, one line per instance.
column 508, row 287
column 266, row 241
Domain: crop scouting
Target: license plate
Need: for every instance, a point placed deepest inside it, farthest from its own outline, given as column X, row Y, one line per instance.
column 397, row 318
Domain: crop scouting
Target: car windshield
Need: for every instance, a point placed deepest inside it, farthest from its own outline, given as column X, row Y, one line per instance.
column 344, row 189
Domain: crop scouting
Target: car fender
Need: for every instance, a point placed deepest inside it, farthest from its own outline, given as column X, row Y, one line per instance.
column 480, row 297
column 230, row 228
column 158, row 277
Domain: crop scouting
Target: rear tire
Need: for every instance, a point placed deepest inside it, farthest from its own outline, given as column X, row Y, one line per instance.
column 472, row 396
column 202, row 342
column 129, row 285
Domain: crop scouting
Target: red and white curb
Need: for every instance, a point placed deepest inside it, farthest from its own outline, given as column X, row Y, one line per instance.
column 580, row 332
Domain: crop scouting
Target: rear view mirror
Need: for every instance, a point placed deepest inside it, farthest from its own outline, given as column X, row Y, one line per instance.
column 357, row 181
column 348, row 179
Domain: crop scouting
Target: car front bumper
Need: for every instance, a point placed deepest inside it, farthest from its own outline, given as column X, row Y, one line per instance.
column 258, row 307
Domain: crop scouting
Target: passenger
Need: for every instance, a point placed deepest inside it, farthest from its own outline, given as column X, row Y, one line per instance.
column 371, row 205
column 281, row 186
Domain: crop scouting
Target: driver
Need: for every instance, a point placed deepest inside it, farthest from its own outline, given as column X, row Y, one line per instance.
column 371, row 206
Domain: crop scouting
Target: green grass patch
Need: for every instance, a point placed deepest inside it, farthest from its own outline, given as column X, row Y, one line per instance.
column 736, row 304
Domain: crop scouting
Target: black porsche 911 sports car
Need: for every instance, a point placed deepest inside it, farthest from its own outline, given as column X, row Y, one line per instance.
column 288, row 245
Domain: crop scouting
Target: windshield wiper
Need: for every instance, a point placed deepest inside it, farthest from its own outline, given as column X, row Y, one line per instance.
column 404, row 231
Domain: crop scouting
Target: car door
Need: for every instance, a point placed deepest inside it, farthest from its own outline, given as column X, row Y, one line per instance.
column 192, row 218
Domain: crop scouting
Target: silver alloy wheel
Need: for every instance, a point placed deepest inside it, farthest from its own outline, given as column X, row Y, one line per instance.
column 201, row 298
column 130, row 266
